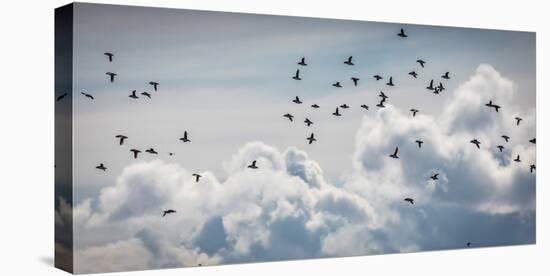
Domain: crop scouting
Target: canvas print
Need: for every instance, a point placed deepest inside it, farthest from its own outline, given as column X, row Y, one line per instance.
column 192, row 138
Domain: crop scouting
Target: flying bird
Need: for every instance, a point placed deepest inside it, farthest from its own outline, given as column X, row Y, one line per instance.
column 419, row 142
column 154, row 84
column 133, row 95
column 475, row 142
column 336, row 113
column 381, row 104
column 434, row 177
column 171, row 153
column 421, row 62
column 534, row 140
column 517, row 159
column 311, row 139
column 441, row 87
column 253, row 165
column 431, row 86
column 355, row 80
column 151, row 151
column 109, row 56
column 87, row 95
column 365, row 106
column 409, row 200
column 121, row 138
column 185, row 139
column 532, row 168
column 436, row 90
column 491, row 105
column 61, row 97
column 506, row 138
column 197, row 176
column 297, row 100
column 402, row 33
column 414, row 111
column 382, row 95
column 337, row 84
column 377, row 77
column 308, row 122
column 446, row 76
column 413, row 73
column 348, row 61
column 344, row 106
column 394, row 155
column 500, row 147
column 390, row 83
column 166, row 212
column 297, row 75
column 289, row 116
column 146, row 94
column 468, row 244
column 111, row 76
column 101, row 167
column 315, row 105
column 518, row 119
column 302, row 61
column 135, row 151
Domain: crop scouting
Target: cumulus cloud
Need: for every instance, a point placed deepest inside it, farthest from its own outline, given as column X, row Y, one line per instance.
column 288, row 210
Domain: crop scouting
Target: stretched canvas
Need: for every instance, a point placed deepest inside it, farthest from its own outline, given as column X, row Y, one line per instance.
column 195, row 138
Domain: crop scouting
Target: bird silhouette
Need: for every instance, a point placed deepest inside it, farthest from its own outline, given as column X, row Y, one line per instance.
column 419, row 142
column 87, row 95
column 414, row 111
column 171, row 153
column 475, row 142
column 146, row 94
column 101, row 167
column 133, row 95
column 394, row 155
column 421, row 62
column 337, row 112
column 365, row 106
column 431, row 86
column 302, row 61
column 446, row 76
column 311, row 139
column 154, row 84
column 60, row 97
column 382, row 95
column 197, row 176
column 441, row 87
column 121, row 138
column 308, row 122
column 468, row 244
column 500, row 147
column 185, row 139
column 289, row 116
column 390, row 83
column 355, row 80
column 109, row 56
column 297, row 75
column 505, row 137
column 436, row 90
column 381, row 103
column 337, row 84
column 434, row 177
column 151, row 151
column 348, row 61
column 409, row 200
column 532, row 168
column 297, row 100
column 377, row 77
column 491, row 105
column 402, row 33
column 166, row 212
column 534, row 141
column 517, row 159
column 344, row 106
column 315, row 105
column 413, row 73
column 253, row 165
column 518, row 119
column 111, row 76
column 135, row 151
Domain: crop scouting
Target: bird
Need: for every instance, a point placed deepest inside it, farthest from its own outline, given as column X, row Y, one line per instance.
column 441, row 87
column 297, row 100
column 490, row 104
column 315, row 105
column 154, row 84
column 302, row 61
column 133, row 95
column 297, row 75
column 390, row 83
column 146, row 94
column 500, row 147
column 475, row 142
column 377, row 77
column 534, row 140
column 253, row 165
column 111, row 76
column 101, row 167
column 419, row 142
column 446, row 76
column 60, row 97
column 365, row 106
column 87, row 95
column 171, row 153
column 311, row 139
column 197, row 176
column 185, row 139
column 166, row 212
column 409, row 200
column 532, row 168
column 381, row 104
column 518, row 119
column 421, row 62
column 431, row 86
column 337, row 84
column 348, row 61
column 289, row 116
column 344, row 106
column 382, row 95
column 308, row 122
column 402, row 33
column 506, row 138
column 434, row 177
column 517, row 159
column 336, row 113
column 468, row 244
column 355, row 80
column 151, row 151
column 413, row 73
column 109, row 56
column 414, row 111
column 135, row 151
column 394, row 155
column 437, row 90
column 121, row 138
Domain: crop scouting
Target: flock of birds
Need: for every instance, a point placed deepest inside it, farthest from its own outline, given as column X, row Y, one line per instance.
column 432, row 87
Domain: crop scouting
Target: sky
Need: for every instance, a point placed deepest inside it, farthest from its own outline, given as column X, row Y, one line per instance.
column 226, row 79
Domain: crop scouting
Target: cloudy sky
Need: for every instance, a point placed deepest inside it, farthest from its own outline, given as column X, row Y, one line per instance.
column 226, row 79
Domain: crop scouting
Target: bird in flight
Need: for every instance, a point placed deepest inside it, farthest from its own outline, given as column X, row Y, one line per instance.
column 434, row 177
column 135, row 151
column 413, row 73
column 253, row 165
column 355, row 80
column 468, row 244
column 475, row 142
column 419, row 142
column 381, row 103
column 121, row 138
column 133, row 95
column 490, row 104
column 151, row 151
column 437, row 90
column 166, row 212
column 101, row 167
column 315, row 105
column 534, row 140
column 197, row 176
column 308, row 122
column 431, row 86
column 348, row 61
column 311, row 139
column 505, row 137
column 87, row 95
column 414, row 111
column 409, row 200
column 184, row 138
column 382, row 95
column 446, row 76
column 146, row 94
column 109, row 56
column 377, row 77
column 517, row 159
column 394, row 155
column 402, row 33
column 302, row 61
column 297, row 100
column 532, row 168
column 337, row 84
column 289, row 116
column 297, row 75
column 111, row 76
column 171, row 153
column 154, row 84
column 344, row 106
column 365, row 106
column 337, row 112
column 441, row 87
column 500, row 147
column 421, row 62
column 518, row 119
column 390, row 83
column 61, row 97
